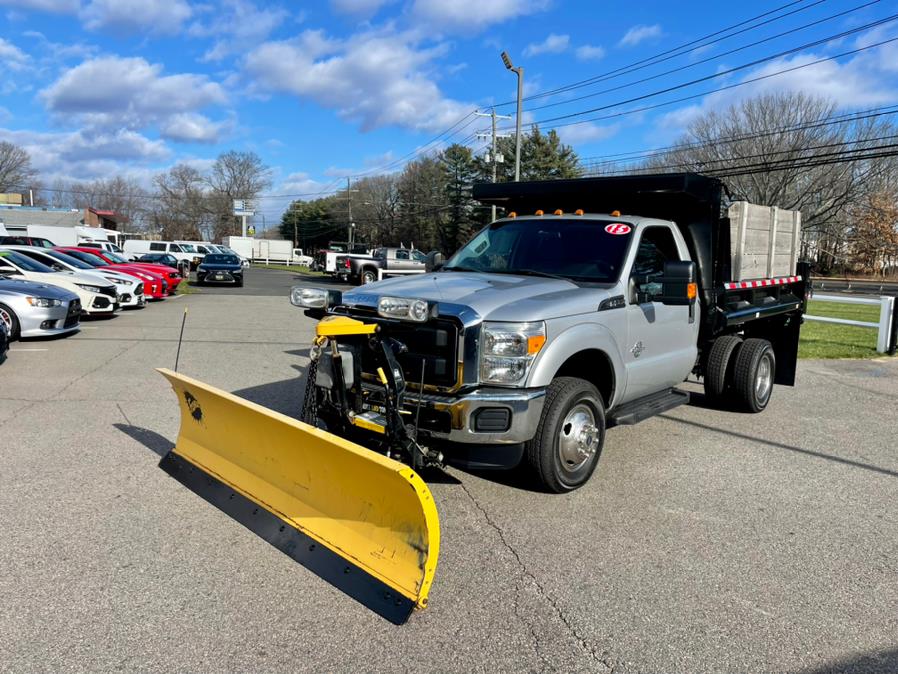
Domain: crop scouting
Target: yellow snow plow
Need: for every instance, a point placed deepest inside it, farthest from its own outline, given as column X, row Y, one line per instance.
column 362, row 521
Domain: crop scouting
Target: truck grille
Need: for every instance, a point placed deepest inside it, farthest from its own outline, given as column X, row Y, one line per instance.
column 434, row 343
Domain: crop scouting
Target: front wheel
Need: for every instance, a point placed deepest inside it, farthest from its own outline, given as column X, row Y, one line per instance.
column 565, row 450
column 11, row 320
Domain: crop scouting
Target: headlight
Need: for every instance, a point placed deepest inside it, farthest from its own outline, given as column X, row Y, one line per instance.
column 314, row 298
column 89, row 288
column 405, row 309
column 508, row 349
column 119, row 281
column 44, row 302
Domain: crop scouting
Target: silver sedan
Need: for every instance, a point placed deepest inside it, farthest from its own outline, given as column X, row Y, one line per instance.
column 30, row 309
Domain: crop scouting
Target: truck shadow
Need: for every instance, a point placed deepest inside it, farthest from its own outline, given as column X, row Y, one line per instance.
column 873, row 662
column 780, row 445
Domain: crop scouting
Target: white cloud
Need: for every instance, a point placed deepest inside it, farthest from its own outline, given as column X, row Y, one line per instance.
column 471, row 15
column 236, row 24
column 300, row 183
column 154, row 16
column 588, row 52
column 586, row 133
column 11, row 57
column 53, row 6
column 191, row 127
column 639, row 34
column 553, row 44
column 84, row 155
column 376, row 78
column 128, row 92
column 866, row 80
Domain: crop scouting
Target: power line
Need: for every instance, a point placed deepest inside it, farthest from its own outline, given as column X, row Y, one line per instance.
column 730, row 71
column 717, row 56
column 703, row 93
column 672, row 53
column 656, row 152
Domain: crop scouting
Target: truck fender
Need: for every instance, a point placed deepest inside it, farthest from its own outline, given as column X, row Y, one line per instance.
column 574, row 340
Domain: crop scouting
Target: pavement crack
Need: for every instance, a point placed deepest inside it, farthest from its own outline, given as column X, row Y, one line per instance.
column 600, row 658
column 102, row 365
column 125, row 416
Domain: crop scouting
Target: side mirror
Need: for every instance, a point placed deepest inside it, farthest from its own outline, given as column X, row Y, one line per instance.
column 434, row 261
column 678, row 287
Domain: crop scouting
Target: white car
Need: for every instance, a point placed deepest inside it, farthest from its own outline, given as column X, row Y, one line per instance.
column 183, row 252
column 98, row 296
column 101, row 245
column 130, row 289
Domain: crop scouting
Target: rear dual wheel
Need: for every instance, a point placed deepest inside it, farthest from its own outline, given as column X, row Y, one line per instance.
column 740, row 374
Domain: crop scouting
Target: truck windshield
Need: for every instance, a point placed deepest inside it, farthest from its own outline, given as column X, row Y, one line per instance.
column 577, row 249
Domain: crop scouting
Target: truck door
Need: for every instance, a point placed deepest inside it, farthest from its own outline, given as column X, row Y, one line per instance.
column 403, row 261
column 662, row 345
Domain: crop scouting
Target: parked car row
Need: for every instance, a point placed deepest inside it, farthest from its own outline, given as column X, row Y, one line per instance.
column 45, row 291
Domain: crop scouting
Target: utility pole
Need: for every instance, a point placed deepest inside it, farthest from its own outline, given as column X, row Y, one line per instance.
column 517, row 145
column 349, row 200
column 495, row 158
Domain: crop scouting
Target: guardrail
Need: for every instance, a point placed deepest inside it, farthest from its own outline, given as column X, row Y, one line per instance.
column 888, row 320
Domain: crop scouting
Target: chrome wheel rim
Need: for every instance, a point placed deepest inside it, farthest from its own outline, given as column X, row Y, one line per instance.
column 578, row 438
column 7, row 319
column 368, row 277
column 764, row 380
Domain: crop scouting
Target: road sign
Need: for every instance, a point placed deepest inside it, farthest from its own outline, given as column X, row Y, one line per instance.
column 243, row 207
column 251, row 230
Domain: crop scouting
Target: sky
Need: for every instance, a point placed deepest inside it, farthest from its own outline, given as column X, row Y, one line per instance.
column 335, row 88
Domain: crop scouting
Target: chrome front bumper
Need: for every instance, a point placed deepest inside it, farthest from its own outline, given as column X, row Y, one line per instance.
column 524, row 405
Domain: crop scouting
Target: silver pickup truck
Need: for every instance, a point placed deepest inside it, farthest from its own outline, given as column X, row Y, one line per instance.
column 584, row 308
column 382, row 263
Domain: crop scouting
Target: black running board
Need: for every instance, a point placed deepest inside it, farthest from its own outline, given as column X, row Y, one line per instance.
column 649, row 406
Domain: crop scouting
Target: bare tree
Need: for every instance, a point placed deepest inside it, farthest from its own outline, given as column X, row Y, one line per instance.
column 181, row 210
column 376, row 209
column 16, row 172
column 235, row 175
column 788, row 150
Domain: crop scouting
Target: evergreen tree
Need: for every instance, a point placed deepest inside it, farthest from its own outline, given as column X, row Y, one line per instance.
column 543, row 157
column 460, row 173
column 422, row 198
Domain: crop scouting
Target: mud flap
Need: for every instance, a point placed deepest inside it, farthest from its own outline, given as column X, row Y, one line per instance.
column 363, row 522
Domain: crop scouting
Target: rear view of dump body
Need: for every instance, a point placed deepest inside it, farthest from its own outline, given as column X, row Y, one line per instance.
column 746, row 256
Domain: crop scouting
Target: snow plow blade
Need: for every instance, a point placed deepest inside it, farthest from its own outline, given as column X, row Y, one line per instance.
column 363, row 522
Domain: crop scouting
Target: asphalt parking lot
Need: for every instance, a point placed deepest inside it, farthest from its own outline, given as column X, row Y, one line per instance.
column 706, row 541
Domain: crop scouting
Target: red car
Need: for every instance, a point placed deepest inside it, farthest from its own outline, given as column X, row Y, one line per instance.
column 154, row 285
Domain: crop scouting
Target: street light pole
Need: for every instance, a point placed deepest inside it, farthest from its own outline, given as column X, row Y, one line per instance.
column 519, row 71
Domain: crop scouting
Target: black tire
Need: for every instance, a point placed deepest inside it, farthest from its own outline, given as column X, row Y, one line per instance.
column 754, row 374
column 239, row 283
column 368, row 276
column 719, row 367
column 566, row 397
column 9, row 317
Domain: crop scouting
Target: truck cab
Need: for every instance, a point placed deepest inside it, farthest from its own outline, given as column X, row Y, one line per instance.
column 550, row 326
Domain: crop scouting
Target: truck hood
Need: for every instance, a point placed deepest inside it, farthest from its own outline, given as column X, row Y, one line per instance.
column 495, row 297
